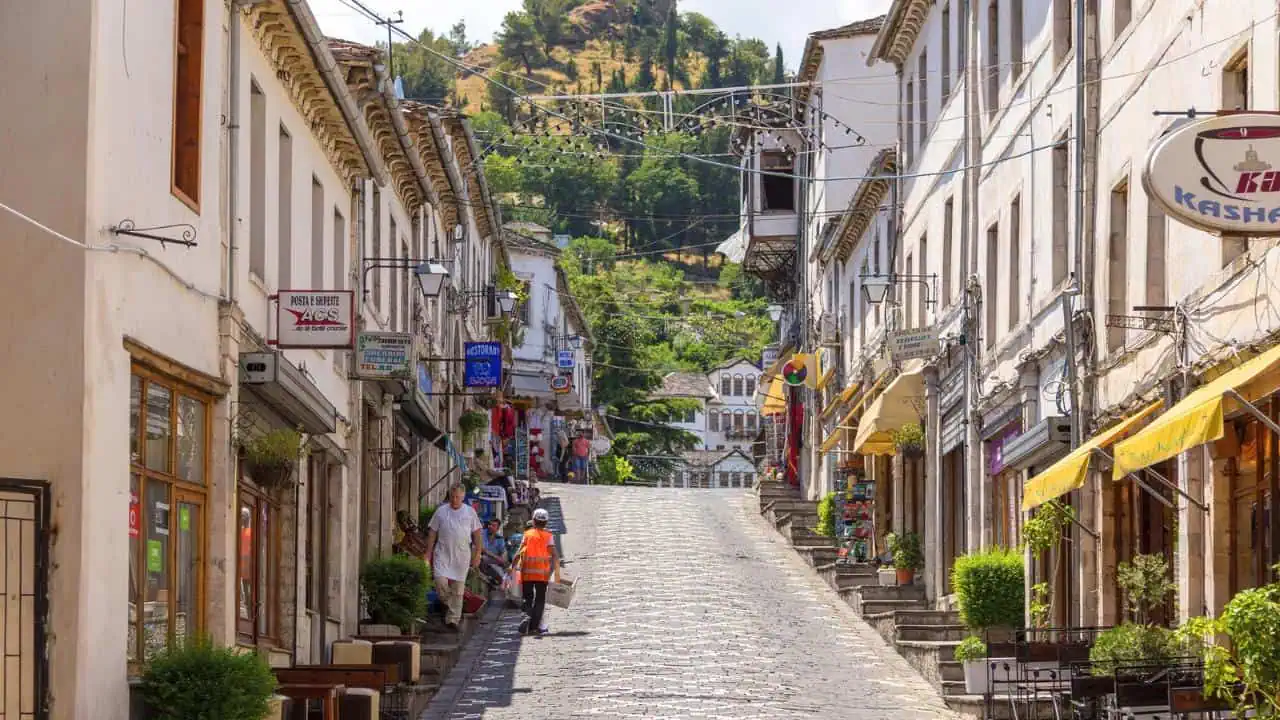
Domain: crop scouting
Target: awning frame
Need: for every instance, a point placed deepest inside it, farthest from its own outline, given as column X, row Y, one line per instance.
column 1166, row 482
column 1254, row 411
column 1074, row 520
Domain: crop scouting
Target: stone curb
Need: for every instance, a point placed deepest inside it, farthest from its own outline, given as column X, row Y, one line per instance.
column 446, row 698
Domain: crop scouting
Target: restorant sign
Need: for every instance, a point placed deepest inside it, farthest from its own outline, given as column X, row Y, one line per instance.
column 315, row 319
column 913, row 344
column 1220, row 174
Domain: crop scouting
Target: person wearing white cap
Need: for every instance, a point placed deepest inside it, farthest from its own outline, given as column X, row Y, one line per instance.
column 538, row 562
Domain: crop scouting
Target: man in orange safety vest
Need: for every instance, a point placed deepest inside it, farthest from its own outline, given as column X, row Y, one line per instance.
column 538, row 562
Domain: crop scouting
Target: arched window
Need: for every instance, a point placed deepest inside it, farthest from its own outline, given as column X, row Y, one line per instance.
column 751, row 385
column 751, row 420
column 739, row 418
column 713, row 420
column 737, row 385
column 725, row 387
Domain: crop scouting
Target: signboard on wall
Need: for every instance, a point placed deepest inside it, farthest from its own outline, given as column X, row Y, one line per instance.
column 483, row 368
column 1221, row 174
column 564, row 359
column 384, row 356
column 315, row 319
column 561, row 384
column 913, row 344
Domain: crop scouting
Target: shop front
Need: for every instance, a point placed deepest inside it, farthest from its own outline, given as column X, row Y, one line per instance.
column 1004, row 484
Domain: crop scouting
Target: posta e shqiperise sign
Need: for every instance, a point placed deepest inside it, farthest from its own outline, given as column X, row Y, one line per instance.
column 1221, row 174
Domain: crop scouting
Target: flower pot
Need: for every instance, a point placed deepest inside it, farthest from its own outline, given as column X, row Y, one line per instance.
column 977, row 676
column 887, row 577
column 905, row 575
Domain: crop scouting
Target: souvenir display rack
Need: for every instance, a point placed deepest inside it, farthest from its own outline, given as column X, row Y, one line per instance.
column 857, row 512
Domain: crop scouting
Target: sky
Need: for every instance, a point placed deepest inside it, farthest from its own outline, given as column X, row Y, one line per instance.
column 748, row 18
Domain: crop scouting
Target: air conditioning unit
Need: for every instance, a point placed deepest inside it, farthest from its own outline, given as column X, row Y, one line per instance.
column 1043, row 443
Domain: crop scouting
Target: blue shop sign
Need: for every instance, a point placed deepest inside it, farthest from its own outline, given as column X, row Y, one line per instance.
column 483, row 367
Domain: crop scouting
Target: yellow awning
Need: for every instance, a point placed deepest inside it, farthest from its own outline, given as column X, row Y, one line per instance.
column 1197, row 419
column 826, row 378
column 831, row 440
column 848, row 392
column 775, row 398
column 842, row 428
column 900, row 404
column 1070, row 472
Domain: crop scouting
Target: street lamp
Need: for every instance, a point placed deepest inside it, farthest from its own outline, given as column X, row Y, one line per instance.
column 507, row 302
column 775, row 312
column 875, row 288
column 431, row 278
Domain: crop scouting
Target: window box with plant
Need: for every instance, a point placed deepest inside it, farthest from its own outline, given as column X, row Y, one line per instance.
column 989, row 591
column 271, row 457
column 470, row 423
column 907, row 555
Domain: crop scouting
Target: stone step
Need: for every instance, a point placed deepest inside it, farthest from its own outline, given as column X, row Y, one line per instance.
column 877, row 591
column 884, row 624
column 931, row 632
column 816, row 555
column 877, row 606
column 790, row 505
column 975, row 706
column 928, row 617
column 953, row 687
column 941, row 650
column 951, row 670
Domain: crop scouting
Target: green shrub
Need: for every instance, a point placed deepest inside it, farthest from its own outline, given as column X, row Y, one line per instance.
column 906, row 551
column 908, row 439
column 1146, row 584
column 395, row 590
column 1246, row 671
column 989, row 588
column 1134, row 644
column 614, row 470
column 827, row 515
column 200, row 681
column 424, row 517
column 971, row 648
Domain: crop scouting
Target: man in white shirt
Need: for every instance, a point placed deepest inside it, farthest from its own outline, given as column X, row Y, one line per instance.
column 454, row 540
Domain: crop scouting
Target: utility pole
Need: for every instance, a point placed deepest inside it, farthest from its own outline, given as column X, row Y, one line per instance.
column 391, row 58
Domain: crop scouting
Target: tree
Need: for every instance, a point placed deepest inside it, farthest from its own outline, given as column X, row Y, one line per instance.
column 699, row 30
column 458, row 39
column 518, row 41
column 671, row 45
column 645, row 80
column 426, row 77
column 550, row 20
column 779, row 72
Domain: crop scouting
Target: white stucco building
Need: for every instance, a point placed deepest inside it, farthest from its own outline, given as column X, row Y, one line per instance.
column 733, row 420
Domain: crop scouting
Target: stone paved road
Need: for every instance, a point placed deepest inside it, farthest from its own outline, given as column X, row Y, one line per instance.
column 689, row 606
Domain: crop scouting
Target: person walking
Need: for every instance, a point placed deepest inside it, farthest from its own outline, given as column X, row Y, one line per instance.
column 581, row 451
column 538, row 562
column 454, row 542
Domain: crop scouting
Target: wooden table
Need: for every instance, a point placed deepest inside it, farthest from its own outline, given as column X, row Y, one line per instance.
column 328, row 695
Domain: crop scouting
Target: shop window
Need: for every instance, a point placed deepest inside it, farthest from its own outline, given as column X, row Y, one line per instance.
column 188, row 84
column 737, row 385
column 169, row 463
column 258, row 569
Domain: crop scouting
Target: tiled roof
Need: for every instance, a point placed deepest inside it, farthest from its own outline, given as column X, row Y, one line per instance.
column 869, row 26
column 518, row 242
column 347, row 51
column 685, row 384
column 812, row 56
column 709, row 458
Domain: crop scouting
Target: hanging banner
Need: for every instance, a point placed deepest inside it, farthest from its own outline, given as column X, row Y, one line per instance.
column 1220, row 174
column 483, row 367
column 522, row 452
column 315, row 319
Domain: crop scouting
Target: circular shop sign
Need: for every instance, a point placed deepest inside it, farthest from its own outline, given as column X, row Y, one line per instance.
column 561, row 383
column 1221, row 174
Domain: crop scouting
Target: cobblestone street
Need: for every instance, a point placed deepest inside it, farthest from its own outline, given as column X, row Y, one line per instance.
column 689, row 606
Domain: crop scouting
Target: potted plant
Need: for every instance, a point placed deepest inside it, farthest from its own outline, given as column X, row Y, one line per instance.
column 470, row 423
column 907, row 555
column 972, row 654
column 272, row 456
column 909, row 440
column 989, row 591
column 197, row 680
column 395, row 590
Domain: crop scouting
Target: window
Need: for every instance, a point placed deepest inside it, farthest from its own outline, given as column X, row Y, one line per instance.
column 922, row 307
column 751, row 420
column 724, row 479
column 528, row 302
column 406, row 296
column 257, row 569
column 779, row 190
column 992, row 296
column 1061, row 208
column 922, row 73
column 1062, row 21
column 1235, row 82
column 908, row 150
column 737, row 385
column 1117, row 262
column 713, row 420
column 257, row 181
column 393, row 239
column 1123, row 13
column 726, row 384
column 909, row 290
column 284, row 205
column 1015, row 38
column 188, row 83
column 946, row 52
column 169, row 438
column 317, row 233
column 1157, row 225
column 376, row 252
column 993, row 57
column 339, row 251
column 739, row 420
column 751, row 386
column 948, row 262
column 1015, row 261
column 690, row 417
column 317, row 525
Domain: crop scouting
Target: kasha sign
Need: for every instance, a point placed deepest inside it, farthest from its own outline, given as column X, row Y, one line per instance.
column 1221, row 174
column 315, row 319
